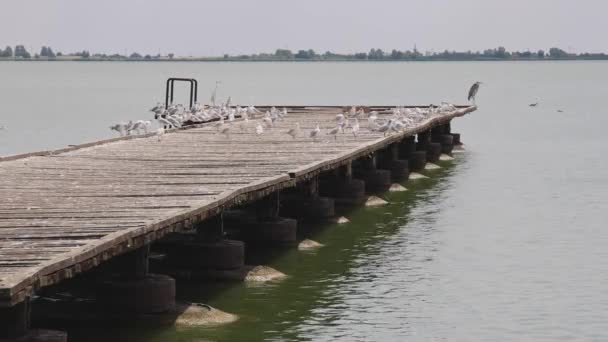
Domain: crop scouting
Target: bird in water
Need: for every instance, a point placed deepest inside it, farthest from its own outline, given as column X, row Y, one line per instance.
column 535, row 103
column 473, row 91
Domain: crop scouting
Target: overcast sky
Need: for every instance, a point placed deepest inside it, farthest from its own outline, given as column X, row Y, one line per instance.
column 203, row 27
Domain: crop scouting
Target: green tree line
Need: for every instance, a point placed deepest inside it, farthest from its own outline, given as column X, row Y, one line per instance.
column 499, row 53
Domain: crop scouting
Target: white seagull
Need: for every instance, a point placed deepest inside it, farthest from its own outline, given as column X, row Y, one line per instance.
column 294, row 132
column 315, row 133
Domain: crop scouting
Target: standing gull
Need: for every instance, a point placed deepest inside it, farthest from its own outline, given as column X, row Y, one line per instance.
column 473, row 91
column 334, row 131
column 294, row 131
column 355, row 127
column 259, row 129
column 315, row 133
column 160, row 133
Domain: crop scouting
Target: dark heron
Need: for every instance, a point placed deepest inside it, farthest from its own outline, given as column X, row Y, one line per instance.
column 473, row 91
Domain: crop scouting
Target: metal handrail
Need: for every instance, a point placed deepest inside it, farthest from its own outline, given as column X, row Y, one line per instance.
column 171, row 85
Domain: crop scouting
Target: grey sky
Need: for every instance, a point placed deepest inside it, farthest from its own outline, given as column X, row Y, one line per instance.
column 203, row 27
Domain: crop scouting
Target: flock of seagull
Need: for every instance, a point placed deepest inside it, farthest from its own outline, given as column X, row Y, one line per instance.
column 224, row 118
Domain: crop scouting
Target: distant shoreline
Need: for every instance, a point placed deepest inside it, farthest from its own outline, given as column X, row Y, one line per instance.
column 237, row 60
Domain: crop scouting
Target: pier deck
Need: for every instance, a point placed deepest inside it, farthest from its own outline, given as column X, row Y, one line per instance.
column 63, row 212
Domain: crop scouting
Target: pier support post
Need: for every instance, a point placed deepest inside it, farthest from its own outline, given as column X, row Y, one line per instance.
column 408, row 150
column 15, row 326
column 407, row 146
column 306, row 205
column 260, row 222
column 342, row 187
column 456, row 139
column 15, row 320
column 134, row 291
column 432, row 149
column 207, row 250
column 390, row 160
column 376, row 180
column 442, row 134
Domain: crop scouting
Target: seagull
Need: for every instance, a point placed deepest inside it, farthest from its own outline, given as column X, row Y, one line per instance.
column 251, row 110
column 334, row 131
column 353, row 111
column 164, row 122
column 357, row 113
column 259, row 129
column 218, row 125
column 535, row 103
column 214, row 93
column 173, row 121
column 315, row 132
column 141, row 125
column 119, row 127
column 158, row 109
column 159, row 133
column 473, row 91
column 225, row 129
column 294, row 132
column 384, row 128
column 283, row 113
column 397, row 126
column 355, row 127
column 268, row 121
column 244, row 125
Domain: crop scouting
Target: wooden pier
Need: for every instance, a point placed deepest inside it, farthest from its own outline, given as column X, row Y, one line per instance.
column 66, row 211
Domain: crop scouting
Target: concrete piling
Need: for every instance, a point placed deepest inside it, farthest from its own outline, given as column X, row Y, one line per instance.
column 376, row 180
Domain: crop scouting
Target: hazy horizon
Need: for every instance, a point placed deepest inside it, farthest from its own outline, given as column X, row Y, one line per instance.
column 205, row 28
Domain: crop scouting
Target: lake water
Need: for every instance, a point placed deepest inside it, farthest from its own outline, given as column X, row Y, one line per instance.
column 509, row 243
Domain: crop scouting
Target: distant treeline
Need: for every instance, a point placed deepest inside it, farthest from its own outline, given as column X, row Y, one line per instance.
column 500, row 53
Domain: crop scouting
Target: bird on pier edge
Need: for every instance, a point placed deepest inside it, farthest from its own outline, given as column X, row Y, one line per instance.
column 473, row 91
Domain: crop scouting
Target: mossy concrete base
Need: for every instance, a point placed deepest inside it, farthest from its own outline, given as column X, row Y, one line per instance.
column 431, row 167
column 396, row 187
column 342, row 220
column 446, row 157
column 263, row 274
column 417, row 176
column 374, row 201
column 458, row 149
column 309, row 245
column 196, row 315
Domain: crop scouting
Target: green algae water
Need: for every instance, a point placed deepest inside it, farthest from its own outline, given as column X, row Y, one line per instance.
column 312, row 298
column 507, row 242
